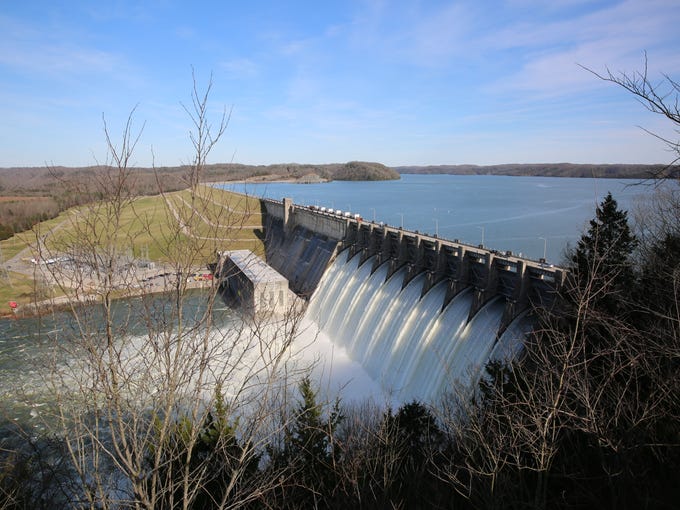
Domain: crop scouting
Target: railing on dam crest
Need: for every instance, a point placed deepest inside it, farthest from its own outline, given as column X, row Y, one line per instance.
column 521, row 282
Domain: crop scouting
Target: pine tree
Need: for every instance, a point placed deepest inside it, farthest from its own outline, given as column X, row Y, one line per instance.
column 603, row 255
column 308, row 454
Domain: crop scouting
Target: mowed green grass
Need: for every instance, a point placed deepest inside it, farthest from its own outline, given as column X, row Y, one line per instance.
column 22, row 240
column 15, row 287
column 219, row 220
column 165, row 226
column 21, row 289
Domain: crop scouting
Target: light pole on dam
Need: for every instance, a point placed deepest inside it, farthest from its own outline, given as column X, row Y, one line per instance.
column 521, row 282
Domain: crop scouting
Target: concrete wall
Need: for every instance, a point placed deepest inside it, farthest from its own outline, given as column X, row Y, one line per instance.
column 324, row 224
column 522, row 282
column 300, row 244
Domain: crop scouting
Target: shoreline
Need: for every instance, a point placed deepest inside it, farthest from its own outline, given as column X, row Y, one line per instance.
column 274, row 179
column 64, row 302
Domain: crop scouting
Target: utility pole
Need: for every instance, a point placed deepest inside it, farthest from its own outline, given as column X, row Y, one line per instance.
column 2, row 264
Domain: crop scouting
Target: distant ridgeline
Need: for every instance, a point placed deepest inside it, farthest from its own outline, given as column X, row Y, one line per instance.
column 415, row 310
column 615, row 171
column 56, row 188
column 48, row 180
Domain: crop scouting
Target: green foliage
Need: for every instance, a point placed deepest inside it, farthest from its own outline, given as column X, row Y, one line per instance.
column 5, row 232
column 308, row 454
column 411, row 445
column 603, row 255
column 588, row 417
column 660, row 275
column 208, row 452
column 18, row 214
column 311, row 436
column 362, row 171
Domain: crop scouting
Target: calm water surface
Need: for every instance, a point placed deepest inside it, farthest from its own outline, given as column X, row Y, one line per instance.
column 522, row 214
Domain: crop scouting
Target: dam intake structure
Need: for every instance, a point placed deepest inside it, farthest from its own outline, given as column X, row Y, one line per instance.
column 418, row 312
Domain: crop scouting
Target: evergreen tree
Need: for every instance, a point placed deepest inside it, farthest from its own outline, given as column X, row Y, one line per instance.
column 308, row 454
column 602, row 260
column 211, row 447
column 411, row 445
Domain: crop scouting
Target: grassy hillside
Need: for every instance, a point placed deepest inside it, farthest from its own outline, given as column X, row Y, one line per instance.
column 214, row 220
column 154, row 227
column 31, row 195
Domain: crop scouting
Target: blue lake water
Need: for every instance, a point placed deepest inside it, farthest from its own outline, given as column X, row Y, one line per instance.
column 526, row 215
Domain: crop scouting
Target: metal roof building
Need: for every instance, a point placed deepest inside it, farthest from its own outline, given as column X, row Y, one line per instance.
column 257, row 285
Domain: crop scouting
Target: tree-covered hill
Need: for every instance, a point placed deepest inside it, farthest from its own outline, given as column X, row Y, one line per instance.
column 617, row 171
column 42, row 180
column 33, row 194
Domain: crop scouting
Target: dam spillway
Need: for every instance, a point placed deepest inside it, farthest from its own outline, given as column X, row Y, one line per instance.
column 409, row 343
column 419, row 313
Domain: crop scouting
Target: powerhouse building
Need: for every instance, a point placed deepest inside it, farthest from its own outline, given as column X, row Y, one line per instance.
column 255, row 284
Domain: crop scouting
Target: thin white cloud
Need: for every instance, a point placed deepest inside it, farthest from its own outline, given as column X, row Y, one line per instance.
column 241, row 67
column 415, row 33
column 627, row 22
column 115, row 10
column 185, row 33
column 436, row 36
column 53, row 59
column 552, row 5
column 36, row 50
column 616, row 37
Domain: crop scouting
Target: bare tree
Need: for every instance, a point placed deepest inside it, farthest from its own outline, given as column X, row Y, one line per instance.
column 204, row 136
column 662, row 97
column 160, row 401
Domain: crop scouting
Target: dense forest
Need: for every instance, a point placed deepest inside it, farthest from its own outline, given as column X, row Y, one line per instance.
column 614, row 171
column 43, row 180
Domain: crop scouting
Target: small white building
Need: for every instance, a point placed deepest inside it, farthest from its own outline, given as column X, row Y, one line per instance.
column 256, row 285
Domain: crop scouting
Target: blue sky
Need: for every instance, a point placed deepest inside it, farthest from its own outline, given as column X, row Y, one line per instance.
column 399, row 82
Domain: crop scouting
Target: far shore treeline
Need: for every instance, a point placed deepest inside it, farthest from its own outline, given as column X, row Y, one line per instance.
column 29, row 195
column 603, row 171
column 42, row 180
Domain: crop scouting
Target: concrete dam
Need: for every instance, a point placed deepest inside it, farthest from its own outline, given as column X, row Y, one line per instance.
column 419, row 313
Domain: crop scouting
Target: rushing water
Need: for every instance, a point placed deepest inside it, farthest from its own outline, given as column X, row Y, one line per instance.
column 34, row 350
column 522, row 214
column 412, row 345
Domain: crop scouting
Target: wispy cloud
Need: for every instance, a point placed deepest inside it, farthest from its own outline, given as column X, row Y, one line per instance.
column 549, row 55
column 437, row 35
column 241, row 67
column 33, row 50
column 61, row 59
column 415, row 33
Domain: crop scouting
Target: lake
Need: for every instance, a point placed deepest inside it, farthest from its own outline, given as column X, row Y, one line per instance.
column 527, row 215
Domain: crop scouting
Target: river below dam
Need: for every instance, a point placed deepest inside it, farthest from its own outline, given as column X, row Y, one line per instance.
column 527, row 215
column 33, row 350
